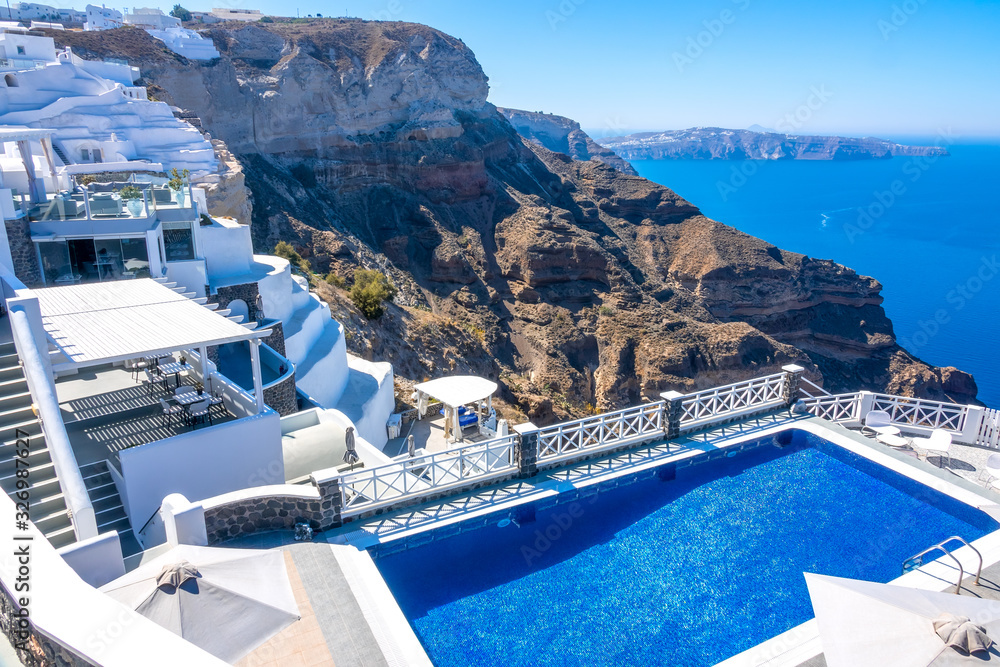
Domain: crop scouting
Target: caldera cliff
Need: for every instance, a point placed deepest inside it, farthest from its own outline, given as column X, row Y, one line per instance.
column 578, row 286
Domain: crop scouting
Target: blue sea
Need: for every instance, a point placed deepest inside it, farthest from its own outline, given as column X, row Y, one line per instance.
column 928, row 229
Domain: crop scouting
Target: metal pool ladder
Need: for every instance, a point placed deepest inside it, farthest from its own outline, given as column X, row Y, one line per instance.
column 918, row 560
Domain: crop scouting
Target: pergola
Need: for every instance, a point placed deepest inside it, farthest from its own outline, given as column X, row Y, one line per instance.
column 100, row 323
column 23, row 136
column 454, row 392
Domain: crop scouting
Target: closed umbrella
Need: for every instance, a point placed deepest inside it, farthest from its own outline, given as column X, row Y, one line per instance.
column 225, row 601
column 411, row 446
column 351, row 454
column 864, row 624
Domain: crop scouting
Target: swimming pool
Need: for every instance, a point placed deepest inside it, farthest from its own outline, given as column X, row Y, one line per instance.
column 686, row 567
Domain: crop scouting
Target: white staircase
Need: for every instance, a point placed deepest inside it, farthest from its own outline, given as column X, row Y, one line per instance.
column 47, row 507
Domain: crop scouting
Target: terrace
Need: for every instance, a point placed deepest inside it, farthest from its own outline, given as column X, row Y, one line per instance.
column 162, row 338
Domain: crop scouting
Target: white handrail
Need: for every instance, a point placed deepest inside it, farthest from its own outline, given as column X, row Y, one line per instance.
column 372, row 488
column 611, row 429
column 731, row 400
column 77, row 499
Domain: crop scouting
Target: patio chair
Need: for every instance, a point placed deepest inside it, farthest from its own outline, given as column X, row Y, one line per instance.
column 938, row 442
column 200, row 410
column 183, row 389
column 992, row 470
column 875, row 420
column 134, row 366
column 152, row 380
column 170, row 411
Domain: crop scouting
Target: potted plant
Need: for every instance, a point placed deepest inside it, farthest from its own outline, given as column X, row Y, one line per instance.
column 132, row 196
column 199, row 387
column 178, row 183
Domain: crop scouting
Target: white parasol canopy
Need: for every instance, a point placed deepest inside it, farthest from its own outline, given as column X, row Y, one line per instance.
column 458, row 389
column 453, row 392
column 225, row 601
column 864, row 624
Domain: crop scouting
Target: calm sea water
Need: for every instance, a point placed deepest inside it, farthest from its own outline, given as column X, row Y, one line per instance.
column 928, row 230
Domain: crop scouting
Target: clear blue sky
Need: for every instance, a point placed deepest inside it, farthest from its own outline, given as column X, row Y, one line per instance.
column 881, row 67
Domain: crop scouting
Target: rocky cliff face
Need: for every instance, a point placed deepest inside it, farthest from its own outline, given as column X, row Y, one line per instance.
column 714, row 143
column 563, row 135
column 578, row 286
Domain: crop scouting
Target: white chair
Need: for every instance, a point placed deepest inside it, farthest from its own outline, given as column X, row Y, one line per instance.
column 939, row 442
column 200, row 410
column 169, row 411
column 992, row 470
column 879, row 421
column 152, row 380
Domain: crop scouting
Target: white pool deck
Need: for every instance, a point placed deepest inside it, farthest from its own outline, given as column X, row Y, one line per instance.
column 800, row 646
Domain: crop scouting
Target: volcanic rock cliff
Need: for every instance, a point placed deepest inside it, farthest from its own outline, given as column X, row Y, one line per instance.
column 714, row 143
column 563, row 135
column 580, row 287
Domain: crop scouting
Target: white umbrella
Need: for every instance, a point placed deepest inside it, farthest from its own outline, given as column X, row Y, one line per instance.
column 864, row 624
column 226, row 601
column 411, row 446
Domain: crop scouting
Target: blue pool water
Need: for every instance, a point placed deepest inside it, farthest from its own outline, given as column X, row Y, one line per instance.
column 681, row 571
column 927, row 247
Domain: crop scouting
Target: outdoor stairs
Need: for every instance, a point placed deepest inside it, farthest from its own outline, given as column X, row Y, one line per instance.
column 57, row 149
column 47, row 507
column 108, row 506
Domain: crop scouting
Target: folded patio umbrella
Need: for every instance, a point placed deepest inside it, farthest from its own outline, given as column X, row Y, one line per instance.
column 226, row 601
column 864, row 624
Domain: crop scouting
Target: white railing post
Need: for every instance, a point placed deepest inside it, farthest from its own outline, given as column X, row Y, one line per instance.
column 866, row 400
column 974, row 415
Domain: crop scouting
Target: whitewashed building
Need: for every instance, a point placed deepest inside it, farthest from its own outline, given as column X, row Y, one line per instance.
column 102, row 18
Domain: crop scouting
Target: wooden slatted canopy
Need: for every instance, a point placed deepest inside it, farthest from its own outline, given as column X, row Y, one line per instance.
column 100, row 323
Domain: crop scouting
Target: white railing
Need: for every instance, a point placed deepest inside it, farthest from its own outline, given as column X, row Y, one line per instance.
column 378, row 487
column 732, row 400
column 989, row 429
column 921, row 413
column 612, row 429
column 836, row 408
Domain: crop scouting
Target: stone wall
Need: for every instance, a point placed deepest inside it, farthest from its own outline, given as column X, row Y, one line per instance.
column 281, row 397
column 246, row 291
column 276, row 341
column 23, row 253
column 42, row 650
column 278, row 512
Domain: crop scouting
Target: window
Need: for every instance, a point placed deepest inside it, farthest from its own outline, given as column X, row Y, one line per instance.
column 85, row 154
column 20, row 50
column 93, row 260
column 179, row 241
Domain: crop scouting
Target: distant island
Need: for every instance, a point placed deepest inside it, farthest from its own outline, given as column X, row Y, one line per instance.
column 715, row 143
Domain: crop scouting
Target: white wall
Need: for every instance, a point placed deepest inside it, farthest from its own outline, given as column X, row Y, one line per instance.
column 97, row 560
column 203, row 463
column 191, row 274
column 276, row 288
column 226, row 247
column 35, row 48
